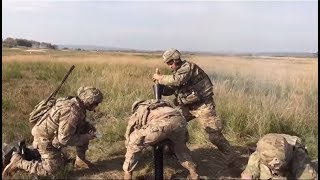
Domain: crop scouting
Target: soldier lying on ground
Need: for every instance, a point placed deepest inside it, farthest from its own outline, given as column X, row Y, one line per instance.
column 151, row 123
column 194, row 97
column 64, row 124
column 279, row 156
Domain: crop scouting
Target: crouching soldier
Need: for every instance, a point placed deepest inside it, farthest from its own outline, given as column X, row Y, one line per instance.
column 61, row 126
column 279, row 156
column 153, row 121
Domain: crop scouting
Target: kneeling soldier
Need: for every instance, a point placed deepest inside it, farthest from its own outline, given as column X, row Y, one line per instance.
column 62, row 125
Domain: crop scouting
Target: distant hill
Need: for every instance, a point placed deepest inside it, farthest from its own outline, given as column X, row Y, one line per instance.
column 224, row 53
column 92, row 48
column 286, row 54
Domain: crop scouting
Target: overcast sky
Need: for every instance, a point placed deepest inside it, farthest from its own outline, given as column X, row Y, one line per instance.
column 229, row 26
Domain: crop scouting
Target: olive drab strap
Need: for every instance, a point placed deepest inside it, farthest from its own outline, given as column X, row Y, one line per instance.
column 41, row 109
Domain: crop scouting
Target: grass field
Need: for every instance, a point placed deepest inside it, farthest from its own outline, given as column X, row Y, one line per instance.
column 254, row 96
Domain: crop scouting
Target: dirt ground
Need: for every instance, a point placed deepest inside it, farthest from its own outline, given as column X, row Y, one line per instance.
column 210, row 161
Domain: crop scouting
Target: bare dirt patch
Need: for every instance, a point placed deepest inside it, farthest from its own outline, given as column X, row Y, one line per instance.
column 210, row 161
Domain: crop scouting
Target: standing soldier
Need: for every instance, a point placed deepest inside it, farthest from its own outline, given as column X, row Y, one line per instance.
column 153, row 121
column 64, row 124
column 279, row 156
column 194, row 96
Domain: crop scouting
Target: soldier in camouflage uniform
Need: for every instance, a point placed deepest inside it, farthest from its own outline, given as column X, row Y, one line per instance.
column 194, row 96
column 64, row 124
column 153, row 121
column 279, row 156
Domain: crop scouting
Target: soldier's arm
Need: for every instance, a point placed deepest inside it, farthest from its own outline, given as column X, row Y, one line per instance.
column 252, row 170
column 67, row 129
column 179, row 78
column 85, row 127
column 130, row 127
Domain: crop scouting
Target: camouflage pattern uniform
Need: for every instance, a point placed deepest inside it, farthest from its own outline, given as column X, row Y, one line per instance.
column 64, row 124
column 153, row 122
column 283, row 151
column 194, row 96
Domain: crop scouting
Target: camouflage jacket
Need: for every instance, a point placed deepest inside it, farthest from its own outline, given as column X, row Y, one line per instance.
column 63, row 123
column 299, row 164
column 189, row 83
column 150, row 111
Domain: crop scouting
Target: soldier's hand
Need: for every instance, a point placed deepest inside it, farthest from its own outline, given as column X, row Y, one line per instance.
column 156, row 76
column 157, row 71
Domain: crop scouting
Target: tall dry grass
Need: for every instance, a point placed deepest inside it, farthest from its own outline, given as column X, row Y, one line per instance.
column 256, row 96
column 253, row 96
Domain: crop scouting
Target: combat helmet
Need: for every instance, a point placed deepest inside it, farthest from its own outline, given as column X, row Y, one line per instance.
column 274, row 150
column 90, row 95
column 171, row 54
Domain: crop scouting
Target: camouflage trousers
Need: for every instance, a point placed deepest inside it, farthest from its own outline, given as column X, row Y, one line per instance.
column 209, row 121
column 51, row 158
column 171, row 128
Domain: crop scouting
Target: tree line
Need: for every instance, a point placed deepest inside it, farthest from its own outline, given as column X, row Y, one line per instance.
column 15, row 42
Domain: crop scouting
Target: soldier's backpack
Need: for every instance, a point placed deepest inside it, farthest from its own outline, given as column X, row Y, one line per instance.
column 144, row 109
column 44, row 106
column 41, row 109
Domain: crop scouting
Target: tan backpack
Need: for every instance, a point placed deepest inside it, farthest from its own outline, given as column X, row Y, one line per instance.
column 41, row 109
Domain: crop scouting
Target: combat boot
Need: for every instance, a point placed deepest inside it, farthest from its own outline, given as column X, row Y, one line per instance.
column 82, row 163
column 224, row 146
column 12, row 167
